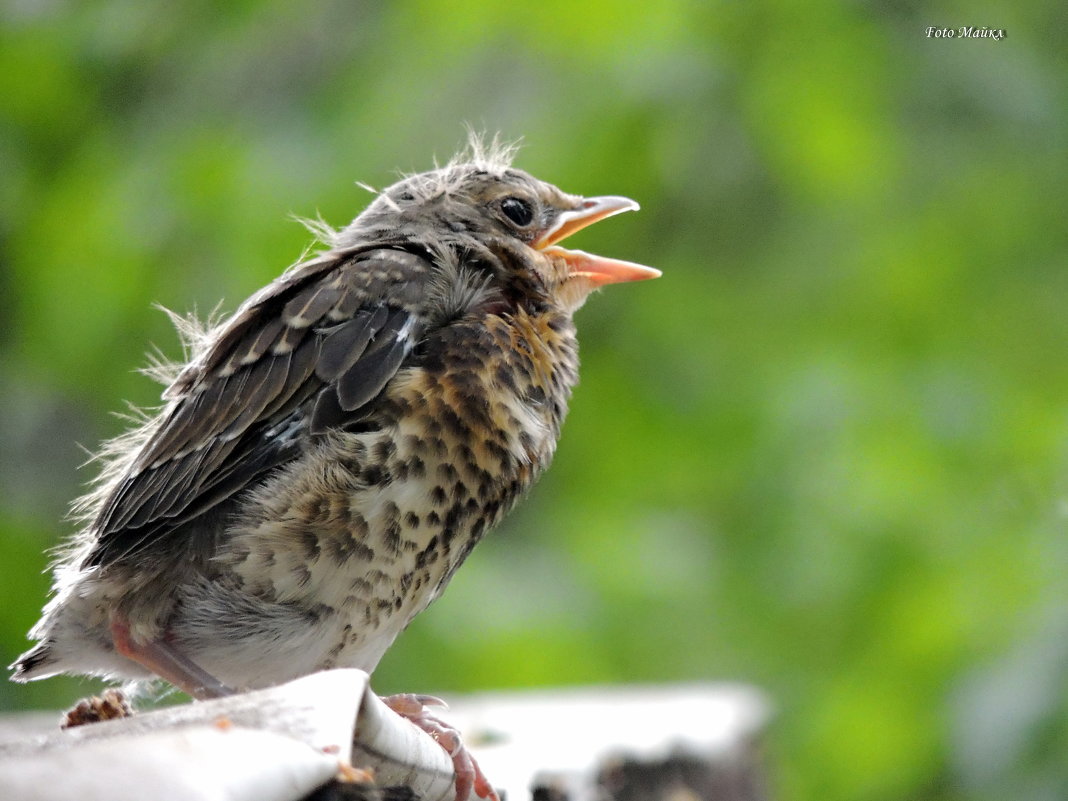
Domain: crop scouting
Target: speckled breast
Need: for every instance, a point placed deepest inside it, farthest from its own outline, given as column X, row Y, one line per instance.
column 368, row 527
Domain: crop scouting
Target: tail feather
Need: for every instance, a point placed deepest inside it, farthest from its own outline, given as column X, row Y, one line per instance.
column 34, row 663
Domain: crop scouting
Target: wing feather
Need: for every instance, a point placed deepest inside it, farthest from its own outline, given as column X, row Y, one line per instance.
column 345, row 343
column 249, row 402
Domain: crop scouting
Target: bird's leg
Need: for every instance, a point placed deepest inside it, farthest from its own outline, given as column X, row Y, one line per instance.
column 469, row 775
column 160, row 657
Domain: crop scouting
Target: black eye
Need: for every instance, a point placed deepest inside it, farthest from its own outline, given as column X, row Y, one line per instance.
column 518, row 211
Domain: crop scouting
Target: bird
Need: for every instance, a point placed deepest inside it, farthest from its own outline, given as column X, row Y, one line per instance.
column 326, row 457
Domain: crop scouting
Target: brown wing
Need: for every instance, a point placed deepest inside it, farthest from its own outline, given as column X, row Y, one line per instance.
column 303, row 355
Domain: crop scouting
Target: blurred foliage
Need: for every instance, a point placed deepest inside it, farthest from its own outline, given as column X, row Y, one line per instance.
column 825, row 453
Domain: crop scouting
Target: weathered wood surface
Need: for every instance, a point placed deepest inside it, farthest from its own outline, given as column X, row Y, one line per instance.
column 287, row 743
column 684, row 743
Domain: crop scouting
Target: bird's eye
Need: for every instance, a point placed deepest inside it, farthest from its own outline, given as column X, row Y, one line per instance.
column 518, row 211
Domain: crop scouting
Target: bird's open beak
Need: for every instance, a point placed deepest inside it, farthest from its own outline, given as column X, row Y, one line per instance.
column 598, row 270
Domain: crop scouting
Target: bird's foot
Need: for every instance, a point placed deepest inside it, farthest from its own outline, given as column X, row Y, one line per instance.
column 469, row 775
column 109, row 705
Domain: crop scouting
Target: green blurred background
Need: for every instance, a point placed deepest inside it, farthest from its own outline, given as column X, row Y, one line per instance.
column 827, row 453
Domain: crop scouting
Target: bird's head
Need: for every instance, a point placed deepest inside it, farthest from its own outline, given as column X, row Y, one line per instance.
column 504, row 225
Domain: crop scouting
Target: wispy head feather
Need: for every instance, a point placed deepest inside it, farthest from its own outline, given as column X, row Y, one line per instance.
column 493, row 155
column 483, row 153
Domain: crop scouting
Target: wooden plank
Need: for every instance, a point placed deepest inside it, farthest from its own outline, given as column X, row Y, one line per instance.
column 286, row 743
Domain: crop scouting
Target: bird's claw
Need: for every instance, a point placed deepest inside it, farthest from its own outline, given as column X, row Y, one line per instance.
column 469, row 775
column 412, row 705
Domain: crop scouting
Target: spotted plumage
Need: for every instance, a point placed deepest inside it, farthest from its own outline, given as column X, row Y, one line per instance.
column 329, row 455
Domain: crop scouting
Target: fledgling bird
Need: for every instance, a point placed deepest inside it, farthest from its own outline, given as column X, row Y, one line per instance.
column 330, row 454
